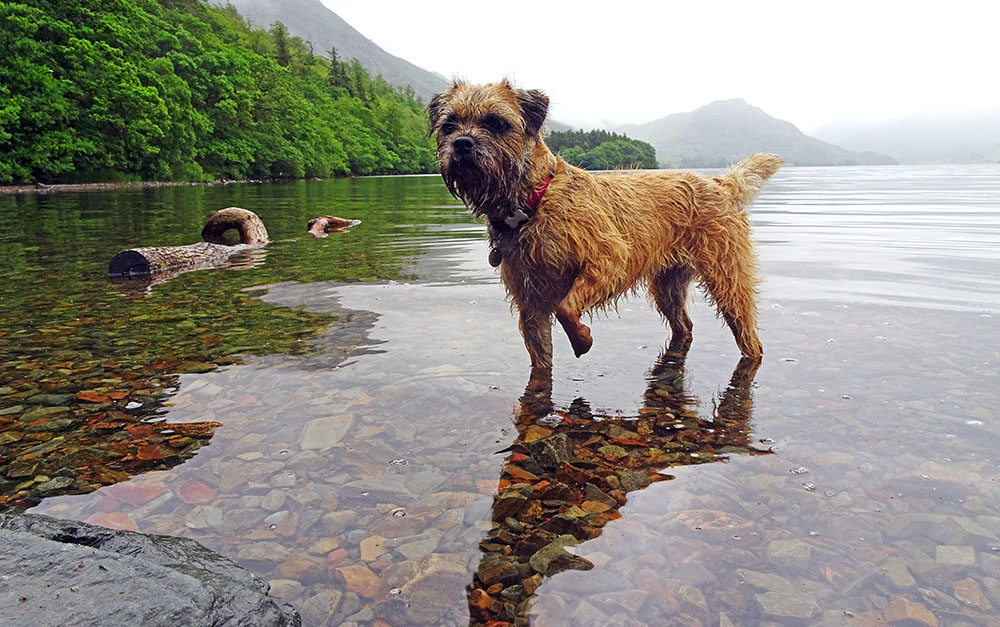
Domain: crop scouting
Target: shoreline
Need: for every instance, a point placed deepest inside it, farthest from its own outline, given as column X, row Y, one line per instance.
column 41, row 188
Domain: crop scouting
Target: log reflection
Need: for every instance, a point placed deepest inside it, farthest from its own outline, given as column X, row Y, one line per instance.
column 570, row 470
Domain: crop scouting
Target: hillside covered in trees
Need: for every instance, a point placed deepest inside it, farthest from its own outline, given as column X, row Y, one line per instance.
column 180, row 90
column 601, row 150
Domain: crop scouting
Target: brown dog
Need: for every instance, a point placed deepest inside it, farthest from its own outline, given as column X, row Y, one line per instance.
column 568, row 241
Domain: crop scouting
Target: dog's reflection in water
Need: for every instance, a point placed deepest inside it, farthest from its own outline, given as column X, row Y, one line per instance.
column 570, row 470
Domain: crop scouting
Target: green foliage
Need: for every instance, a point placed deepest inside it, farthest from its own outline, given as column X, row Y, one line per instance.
column 601, row 150
column 180, row 90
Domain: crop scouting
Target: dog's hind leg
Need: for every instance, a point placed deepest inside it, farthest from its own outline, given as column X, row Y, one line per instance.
column 731, row 281
column 669, row 291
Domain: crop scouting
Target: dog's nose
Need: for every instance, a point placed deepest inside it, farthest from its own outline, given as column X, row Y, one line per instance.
column 463, row 144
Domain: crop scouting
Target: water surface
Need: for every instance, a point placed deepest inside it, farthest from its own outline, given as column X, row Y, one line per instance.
column 363, row 438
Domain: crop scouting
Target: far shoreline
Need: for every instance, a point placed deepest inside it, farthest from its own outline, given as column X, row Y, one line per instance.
column 41, row 188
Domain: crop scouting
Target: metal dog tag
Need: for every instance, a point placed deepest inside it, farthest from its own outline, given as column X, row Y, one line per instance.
column 495, row 257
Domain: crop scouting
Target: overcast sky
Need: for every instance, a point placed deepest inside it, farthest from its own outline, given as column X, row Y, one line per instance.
column 615, row 62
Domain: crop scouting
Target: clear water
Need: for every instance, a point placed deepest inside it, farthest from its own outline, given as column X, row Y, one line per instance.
column 363, row 409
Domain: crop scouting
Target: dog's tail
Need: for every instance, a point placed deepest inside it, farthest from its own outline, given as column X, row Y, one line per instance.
column 745, row 178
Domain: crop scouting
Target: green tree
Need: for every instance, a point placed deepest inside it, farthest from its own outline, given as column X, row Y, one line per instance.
column 178, row 89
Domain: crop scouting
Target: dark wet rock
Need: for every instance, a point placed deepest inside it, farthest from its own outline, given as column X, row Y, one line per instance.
column 436, row 588
column 417, row 548
column 242, row 519
column 107, row 572
column 970, row 593
column 50, row 400
column 533, row 541
column 510, row 504
column 307, row 460
column 633, row 480
column 339, row 521
column 49, row 426
column 992, row 586
column 898, row 575
column 287, row 589
column 955, row 555
column 305, row 497
column 793, row 554
column 350, row 603
column 584, row 613
column 324, row 433
column 787, row 604
column 263, row 552
column 274, row 500
column 905, row 612
column 9, row 437
column 378, row 489
column 942, row 528
column 54, row 485
column 401, row 430
column 321, row 608
column 363, row 617
column 766, row 581
column 21, row 468
column 422, row 483
column 592, row 493
column 40, row 412
column 553, row 558
column 564, row 524
column 694, row 573
column 551, row 451
column 495, row 568
column 558, row 491
column 693, row 597
column 630, row 601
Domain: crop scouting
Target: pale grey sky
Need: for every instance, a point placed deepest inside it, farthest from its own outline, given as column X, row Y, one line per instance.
column 804, row 61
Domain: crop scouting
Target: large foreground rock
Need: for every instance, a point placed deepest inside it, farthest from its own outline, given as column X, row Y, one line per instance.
column 58, row 572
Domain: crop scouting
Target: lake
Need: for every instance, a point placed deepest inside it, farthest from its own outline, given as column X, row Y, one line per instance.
column 347, row 417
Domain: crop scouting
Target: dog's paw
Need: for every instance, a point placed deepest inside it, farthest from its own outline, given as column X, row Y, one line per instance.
column 582, row 343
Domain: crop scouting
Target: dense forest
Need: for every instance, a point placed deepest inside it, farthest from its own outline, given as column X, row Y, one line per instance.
column 180, row 90
column 601, row 150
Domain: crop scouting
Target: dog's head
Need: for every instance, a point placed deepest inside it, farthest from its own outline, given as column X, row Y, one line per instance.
column 485, row 138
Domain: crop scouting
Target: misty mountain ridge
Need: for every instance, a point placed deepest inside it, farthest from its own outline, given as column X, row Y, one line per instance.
column 956, row 137
column 724, row 131
column 312, row 21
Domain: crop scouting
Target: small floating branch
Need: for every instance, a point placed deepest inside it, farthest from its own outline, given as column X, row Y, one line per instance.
column 321, row 227
column 151, row 260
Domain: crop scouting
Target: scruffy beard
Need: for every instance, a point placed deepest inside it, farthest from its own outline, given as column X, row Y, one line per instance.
column 489, row 183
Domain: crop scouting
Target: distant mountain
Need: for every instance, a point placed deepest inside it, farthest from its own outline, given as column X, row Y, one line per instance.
column 724, row 131
column 942, row 138
column 312, row 21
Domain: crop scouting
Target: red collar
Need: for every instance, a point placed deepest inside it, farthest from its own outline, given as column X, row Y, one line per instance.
column 536, row 196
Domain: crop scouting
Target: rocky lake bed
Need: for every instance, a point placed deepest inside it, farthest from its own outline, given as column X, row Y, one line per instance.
column 347, row 418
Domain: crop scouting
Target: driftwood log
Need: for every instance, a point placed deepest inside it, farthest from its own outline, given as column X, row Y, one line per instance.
column 151, row 260
column 321, row 227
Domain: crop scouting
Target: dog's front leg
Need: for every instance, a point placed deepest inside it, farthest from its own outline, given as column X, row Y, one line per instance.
column 536, row 328
column 577, row 332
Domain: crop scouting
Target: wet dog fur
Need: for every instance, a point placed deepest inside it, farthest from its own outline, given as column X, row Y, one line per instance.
column 593, row 239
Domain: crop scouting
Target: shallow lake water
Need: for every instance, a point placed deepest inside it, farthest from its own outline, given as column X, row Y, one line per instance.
column 347, row 417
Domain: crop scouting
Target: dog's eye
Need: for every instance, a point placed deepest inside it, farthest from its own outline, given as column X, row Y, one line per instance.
column 496, row 124
column 449, row 127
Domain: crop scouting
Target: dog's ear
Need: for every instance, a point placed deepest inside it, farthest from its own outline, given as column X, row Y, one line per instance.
column 534, row 108
column 435, row 108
